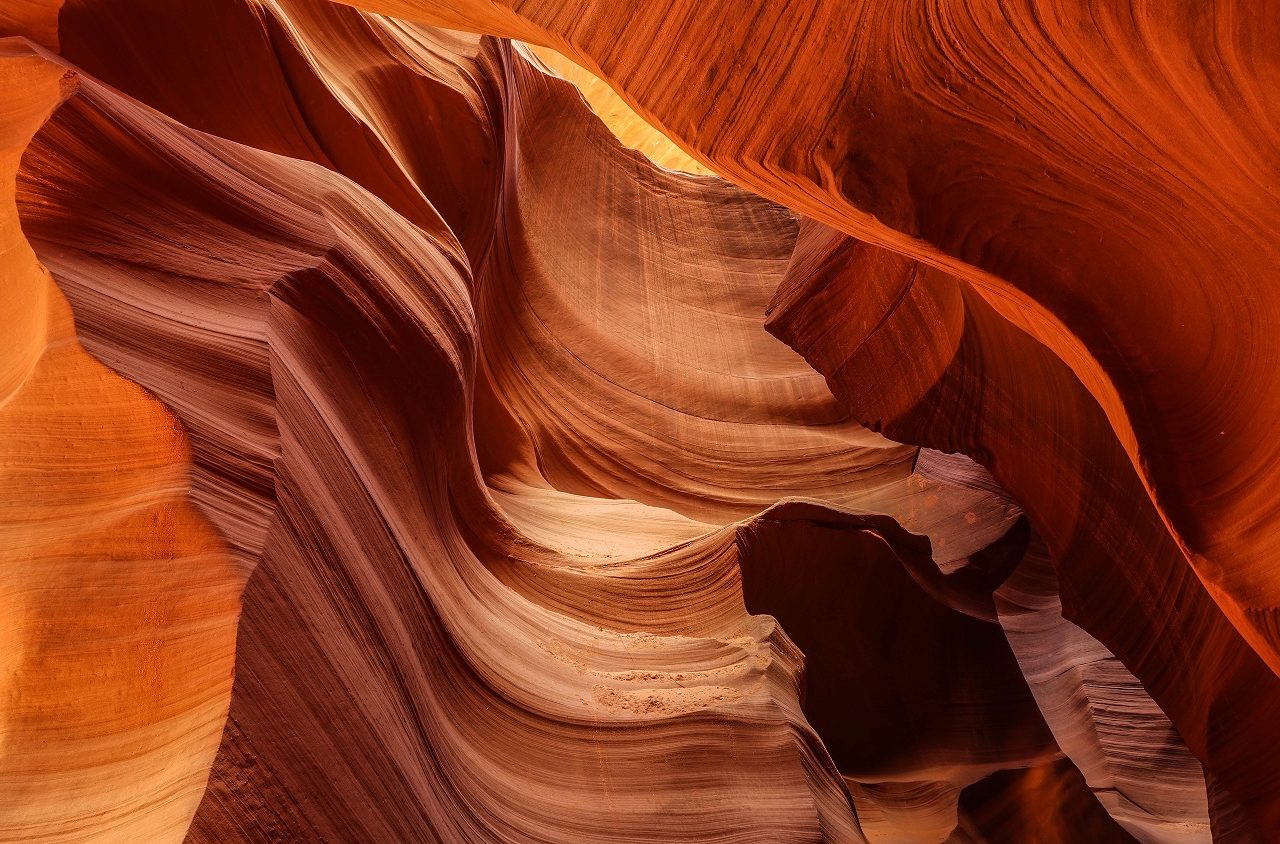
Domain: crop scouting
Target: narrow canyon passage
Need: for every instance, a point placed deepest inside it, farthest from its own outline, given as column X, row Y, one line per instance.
column 412, row 434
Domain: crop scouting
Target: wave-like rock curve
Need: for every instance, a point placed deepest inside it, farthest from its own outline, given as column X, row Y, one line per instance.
column 537, row 492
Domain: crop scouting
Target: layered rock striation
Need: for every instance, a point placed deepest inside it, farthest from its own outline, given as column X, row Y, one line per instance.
column 400, row 443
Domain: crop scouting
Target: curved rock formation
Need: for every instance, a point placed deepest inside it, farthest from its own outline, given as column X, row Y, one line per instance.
column 537, row 490
column 119, row 600
column 1120, row 574
column 1036, row 155
column 627, row 126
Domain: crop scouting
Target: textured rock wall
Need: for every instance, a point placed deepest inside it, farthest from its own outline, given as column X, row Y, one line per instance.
column 533, row 491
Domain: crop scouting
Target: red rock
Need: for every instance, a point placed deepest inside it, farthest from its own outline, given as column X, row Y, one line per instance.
column 911, row 483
